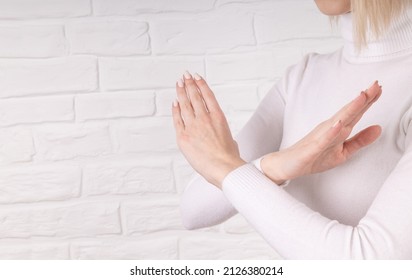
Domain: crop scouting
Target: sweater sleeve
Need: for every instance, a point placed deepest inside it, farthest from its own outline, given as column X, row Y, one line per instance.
column 297, row 232
column 203, row 204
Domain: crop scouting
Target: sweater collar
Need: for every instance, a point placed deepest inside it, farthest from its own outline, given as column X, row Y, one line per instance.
column 397, row 40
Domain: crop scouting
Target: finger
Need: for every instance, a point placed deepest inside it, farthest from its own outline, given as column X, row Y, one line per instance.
column 207, row 94
column 184, row 103
column 373, row 100
column 361, row 139
column 351, row 110
column 372, row 95
column 194, row 95
column 373, row 92
column 331, row 134
column 354, row 110
column 177, row 118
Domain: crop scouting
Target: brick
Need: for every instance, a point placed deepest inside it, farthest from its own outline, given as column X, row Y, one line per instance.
column 136, row 7
column 44, row 41
column 164, row 100
column 39, row 183
column 68, row 141
column 16, row 145
column 215, row 246
column 325, row 45
column 265, row 87
column 238, row 104
column 29, row 250
column 212, row 33
column 236, row 98
column 223, row 69
column 183, row 173
column 280, row 17
column 220, row 3
column 264, row 65
column 114, row 105
column 153, row 175
column 74, row 220
column 145, row 135
column 286, row 54
column 108, row 37
column 139, row 248
column 17, row 9
column 33, row 76
column 36, row 110
column 131, row 73
column 151, row 214
column 231, row 99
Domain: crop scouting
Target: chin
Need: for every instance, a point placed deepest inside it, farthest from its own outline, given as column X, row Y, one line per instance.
column 333, row 7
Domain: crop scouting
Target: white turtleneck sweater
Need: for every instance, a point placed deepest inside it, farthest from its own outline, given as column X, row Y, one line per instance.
column 359, row 210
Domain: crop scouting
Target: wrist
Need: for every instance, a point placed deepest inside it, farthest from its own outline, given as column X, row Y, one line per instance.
column 225, row 168
column 271, row 167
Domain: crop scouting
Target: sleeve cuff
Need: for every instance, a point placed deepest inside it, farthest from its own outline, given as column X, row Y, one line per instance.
column 248, row 172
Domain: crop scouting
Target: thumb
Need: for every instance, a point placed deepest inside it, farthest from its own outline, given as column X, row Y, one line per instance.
column 361, row 139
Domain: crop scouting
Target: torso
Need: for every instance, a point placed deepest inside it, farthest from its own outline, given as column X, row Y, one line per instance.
column 327, row 84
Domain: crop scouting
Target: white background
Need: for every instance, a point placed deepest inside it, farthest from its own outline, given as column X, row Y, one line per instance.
column 89, row 167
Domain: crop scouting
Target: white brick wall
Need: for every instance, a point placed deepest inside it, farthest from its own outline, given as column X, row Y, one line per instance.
column 20, row 77
column 89, row 167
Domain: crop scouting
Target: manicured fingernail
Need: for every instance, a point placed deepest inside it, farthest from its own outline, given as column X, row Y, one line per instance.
column 197, row 77
column 187, row 75
column 374, row 83
column 175, row 103
column 180, row 83
column 336, row 123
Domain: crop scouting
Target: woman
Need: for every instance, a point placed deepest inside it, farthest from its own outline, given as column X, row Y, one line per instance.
column 321, row 196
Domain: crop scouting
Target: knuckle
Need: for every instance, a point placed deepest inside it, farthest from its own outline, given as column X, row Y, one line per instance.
column 189, row 82
column 187, row 106
column 194, row 95
column 180, row 90
column 206, row 119
column 202, row 83
column 183, row 138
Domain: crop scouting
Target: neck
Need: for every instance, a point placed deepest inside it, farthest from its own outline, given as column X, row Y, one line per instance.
column 396, row 41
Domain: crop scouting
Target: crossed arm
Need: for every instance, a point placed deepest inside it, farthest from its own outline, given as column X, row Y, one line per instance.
column 203, row 204
column 204, row 137
column 293, row 229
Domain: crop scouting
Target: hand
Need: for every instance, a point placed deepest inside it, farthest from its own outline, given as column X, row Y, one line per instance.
column 327, row 145
column 202, row 131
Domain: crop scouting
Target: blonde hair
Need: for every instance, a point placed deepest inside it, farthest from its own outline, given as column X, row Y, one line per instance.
column 374, row 15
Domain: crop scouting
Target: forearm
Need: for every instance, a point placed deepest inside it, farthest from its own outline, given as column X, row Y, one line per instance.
column 202, row 203
column 297, row 232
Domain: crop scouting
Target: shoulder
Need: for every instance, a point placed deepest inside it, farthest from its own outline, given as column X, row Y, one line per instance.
column 309, row 66
column 314, row 60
